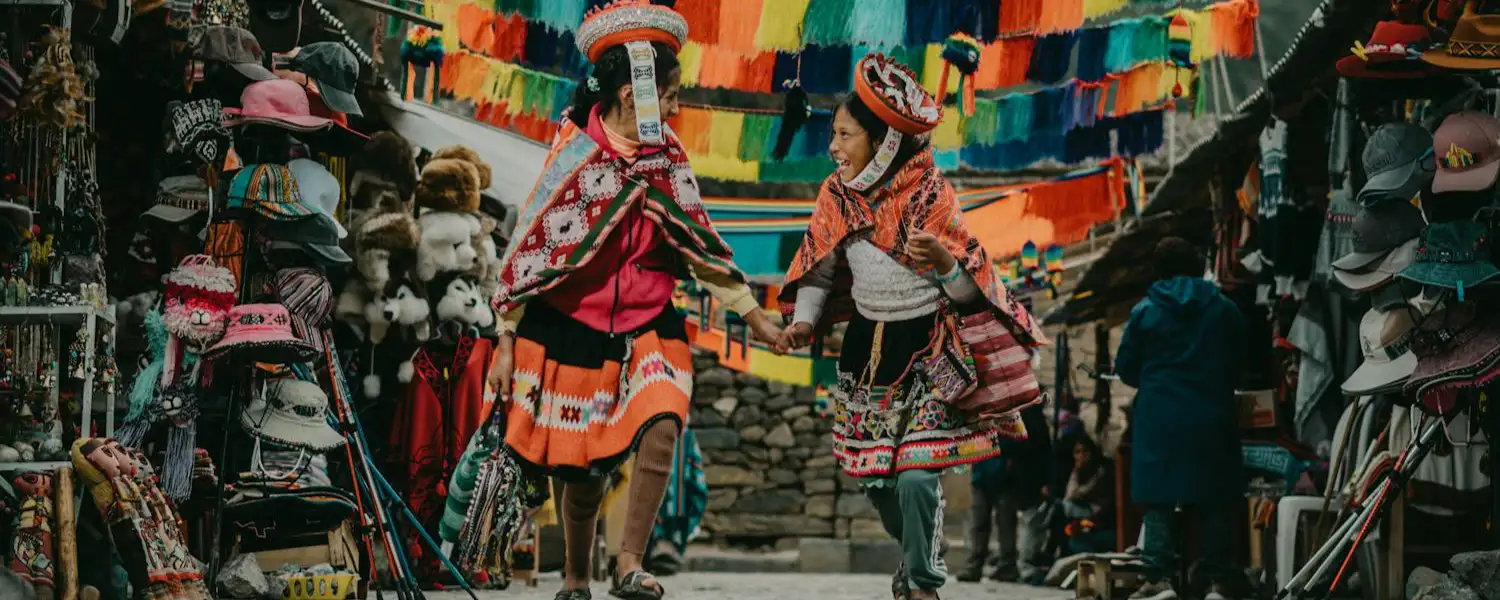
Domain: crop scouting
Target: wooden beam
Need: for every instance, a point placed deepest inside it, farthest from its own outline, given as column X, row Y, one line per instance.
column 67, row 534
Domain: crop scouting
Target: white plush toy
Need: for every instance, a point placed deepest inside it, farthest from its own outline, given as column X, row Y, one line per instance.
column 446, row 243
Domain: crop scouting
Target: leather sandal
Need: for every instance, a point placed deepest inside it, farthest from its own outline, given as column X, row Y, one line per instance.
column 632, row 587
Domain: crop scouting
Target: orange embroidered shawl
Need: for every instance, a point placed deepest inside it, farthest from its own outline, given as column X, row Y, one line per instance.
column 916, row 197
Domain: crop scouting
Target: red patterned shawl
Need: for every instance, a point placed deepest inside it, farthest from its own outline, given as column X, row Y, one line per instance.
column 916, row 197
column 583, row 194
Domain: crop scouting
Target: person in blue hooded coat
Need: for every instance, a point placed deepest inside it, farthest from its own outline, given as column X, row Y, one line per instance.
column 1181, row 351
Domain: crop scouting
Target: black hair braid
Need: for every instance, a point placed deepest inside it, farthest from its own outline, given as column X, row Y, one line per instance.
column 612, row 72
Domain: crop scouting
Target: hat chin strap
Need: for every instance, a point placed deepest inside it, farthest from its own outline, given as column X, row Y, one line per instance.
column 885, row 154
column 643, row 87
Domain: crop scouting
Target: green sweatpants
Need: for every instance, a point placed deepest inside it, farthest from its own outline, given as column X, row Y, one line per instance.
column 912, row 512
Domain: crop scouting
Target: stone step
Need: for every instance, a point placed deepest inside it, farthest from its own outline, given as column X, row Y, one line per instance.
column 824, row 555
column 708, row 559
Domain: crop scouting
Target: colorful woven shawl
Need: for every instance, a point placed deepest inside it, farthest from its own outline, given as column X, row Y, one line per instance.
column 580, row 198
column 916, row 197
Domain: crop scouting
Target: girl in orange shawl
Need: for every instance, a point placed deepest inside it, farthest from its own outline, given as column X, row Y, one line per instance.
column 887, row 250
column 593, row 360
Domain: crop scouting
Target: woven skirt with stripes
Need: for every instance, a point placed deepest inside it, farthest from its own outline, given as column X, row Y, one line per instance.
column 582, row 398
column 886, row 418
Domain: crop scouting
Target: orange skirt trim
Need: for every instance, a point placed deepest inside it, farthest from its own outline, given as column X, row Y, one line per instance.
column 572, row 417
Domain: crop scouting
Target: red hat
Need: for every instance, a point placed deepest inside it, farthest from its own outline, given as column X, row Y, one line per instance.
column 892, row 92
column 1393, row 52
column 629, row 21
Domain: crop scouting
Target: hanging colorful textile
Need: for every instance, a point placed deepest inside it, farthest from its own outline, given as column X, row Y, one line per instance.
column 960, row 52
column 423, row 47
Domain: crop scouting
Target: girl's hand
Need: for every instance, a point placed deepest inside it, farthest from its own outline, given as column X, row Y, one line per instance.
column 928, row 249
column 797, row 336
column 765, row 330
column 502, row 366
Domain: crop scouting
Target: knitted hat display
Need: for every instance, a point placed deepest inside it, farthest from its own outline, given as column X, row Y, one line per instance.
column 466, row 154
column 261, row 333
column 449, row 184
column 626, row 21
column 198, row 295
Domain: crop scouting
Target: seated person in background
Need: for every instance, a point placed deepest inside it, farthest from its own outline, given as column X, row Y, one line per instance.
column 1088, row 504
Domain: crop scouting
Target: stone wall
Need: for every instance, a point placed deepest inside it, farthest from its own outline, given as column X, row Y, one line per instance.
column 768, row 457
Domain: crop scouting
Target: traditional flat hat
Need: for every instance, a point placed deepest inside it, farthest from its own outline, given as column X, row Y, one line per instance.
column 895, row 94
column 625, row 21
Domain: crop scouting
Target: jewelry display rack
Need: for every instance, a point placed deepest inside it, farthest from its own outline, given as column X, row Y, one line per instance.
column 91, row 318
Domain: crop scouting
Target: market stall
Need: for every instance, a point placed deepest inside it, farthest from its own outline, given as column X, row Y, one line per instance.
column 1348, row 211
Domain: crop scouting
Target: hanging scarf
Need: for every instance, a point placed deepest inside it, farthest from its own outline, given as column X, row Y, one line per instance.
column 916, row 196
column 583, row 194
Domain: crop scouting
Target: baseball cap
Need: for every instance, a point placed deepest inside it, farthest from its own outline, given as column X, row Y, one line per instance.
column 1378, row 229
column 1392, row 264
column 1467, row 146
column 1398, row 163
column 336, row 72
column 234, row 46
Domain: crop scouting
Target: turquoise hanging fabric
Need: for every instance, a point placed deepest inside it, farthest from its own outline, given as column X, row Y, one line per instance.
column 1121, row 45
column 1150, row 43
column 880, row 24
column 1016, row 116
column 983, row 127
column 561, row 15
column 526, row 8
column 827, row 22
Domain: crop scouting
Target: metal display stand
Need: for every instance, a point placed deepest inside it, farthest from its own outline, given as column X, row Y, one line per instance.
column 92, row 319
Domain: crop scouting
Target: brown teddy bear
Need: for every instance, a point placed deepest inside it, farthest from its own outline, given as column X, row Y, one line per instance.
column 449, row 185
column 464, row 153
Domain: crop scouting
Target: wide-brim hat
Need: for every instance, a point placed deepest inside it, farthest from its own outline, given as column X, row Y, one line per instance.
column 1457, row 347
column 1453, row 255
column 1391, row 265
column 279, row 103
column 895, row 94
column 1393, row 52
column 1385, row 339
column 292, row 413
column 625, row 21
column 261, row 333
column 1474, row 45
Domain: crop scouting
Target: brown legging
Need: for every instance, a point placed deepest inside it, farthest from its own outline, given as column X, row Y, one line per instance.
column 648, row 483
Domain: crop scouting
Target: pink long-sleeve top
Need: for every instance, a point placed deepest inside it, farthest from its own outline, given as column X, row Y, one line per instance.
column 631, row 278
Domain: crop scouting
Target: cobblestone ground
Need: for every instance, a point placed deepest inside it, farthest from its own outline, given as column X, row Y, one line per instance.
column 774, row 586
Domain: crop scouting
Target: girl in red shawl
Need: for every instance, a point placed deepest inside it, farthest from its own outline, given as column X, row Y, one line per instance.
column 594, row 360
column 887, row 250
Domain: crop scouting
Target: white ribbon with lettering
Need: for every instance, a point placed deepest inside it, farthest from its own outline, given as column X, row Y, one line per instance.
column 885, row 154
column 643, row 87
